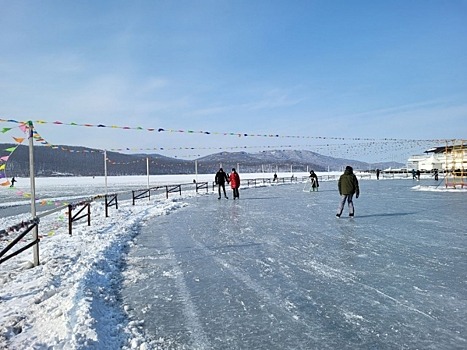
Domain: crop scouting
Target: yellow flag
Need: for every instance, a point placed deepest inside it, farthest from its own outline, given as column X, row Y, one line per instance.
column 19, row 139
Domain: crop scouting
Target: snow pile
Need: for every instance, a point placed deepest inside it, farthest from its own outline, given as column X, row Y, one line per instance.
column 71, row 301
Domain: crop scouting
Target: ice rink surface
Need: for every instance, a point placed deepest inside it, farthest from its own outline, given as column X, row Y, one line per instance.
column 276, row 270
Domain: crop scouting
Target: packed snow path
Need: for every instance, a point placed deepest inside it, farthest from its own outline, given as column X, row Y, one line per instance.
column 277, row 270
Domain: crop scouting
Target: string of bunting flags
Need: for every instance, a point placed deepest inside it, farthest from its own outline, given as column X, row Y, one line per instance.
column 369, row 146
column 366, row 147
column 207, row 132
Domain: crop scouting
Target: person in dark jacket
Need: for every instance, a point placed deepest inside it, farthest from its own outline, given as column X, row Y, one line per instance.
column 13, row 180
column 348, row 186
column 314, row 181
column 221, row 178
column 235, row 183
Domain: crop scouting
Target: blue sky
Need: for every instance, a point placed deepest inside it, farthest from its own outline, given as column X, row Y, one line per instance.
column 318, row 70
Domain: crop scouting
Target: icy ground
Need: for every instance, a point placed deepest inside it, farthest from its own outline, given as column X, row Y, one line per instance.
column 277, row 270
column 273, row 270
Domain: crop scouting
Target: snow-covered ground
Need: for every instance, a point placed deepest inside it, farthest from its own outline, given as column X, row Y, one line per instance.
column 273, row 270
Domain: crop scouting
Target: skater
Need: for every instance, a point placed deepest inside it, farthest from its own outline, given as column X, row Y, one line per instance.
column 418, row 175
column 234, row 183
column 436, row 174
column 221, row 178
column 274, row 178
column 413, row 174
column 377, row 174
column 314, row 181
column 348, row 186
column 13, row 180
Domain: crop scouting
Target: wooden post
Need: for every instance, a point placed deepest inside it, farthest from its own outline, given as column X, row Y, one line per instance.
column 70, row 220
column 89, row 214
column 106, row 207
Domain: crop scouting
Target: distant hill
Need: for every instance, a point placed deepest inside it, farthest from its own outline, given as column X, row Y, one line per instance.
column 82, row 161
column 285, row 159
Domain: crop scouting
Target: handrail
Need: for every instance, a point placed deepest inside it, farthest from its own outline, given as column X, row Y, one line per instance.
column 73, row 218
column 29, row 226
column 110, row 200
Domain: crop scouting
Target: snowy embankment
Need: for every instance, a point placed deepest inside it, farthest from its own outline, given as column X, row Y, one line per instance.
column 71, row 301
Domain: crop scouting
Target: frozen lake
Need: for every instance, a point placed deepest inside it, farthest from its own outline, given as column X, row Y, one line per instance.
column 277, row 270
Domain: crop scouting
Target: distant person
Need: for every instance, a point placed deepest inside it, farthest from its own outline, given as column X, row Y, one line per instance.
column 221, row 178
column 413, row 174
column 348, row 186
column 234, row 179
column 436, row 174
column 377, row 174
column 275, row 177
column 314, row 181
column 13, row 180
column 418, row 175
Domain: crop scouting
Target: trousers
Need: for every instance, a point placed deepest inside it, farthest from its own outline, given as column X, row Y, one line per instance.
column 346, row 198
column 221, row 185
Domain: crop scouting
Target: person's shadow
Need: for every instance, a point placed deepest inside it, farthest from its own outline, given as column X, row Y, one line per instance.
column 385, row 215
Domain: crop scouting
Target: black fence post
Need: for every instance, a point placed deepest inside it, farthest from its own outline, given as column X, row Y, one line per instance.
column 106, row 207
column 70, row 219
column 108, row 203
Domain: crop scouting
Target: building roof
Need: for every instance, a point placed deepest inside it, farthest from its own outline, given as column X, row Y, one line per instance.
column 443, row 149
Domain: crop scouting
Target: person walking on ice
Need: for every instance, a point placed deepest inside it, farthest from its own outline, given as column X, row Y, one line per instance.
column 348, row 186
column 314, row 181
column 13, row 180
column 221, row 178
column 235, row 183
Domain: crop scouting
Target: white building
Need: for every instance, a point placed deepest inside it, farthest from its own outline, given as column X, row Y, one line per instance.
column 451, row 157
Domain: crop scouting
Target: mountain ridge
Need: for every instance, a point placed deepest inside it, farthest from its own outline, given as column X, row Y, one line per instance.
column 83, row 161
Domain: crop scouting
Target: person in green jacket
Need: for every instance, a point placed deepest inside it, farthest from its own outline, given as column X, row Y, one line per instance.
column 348, row 186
